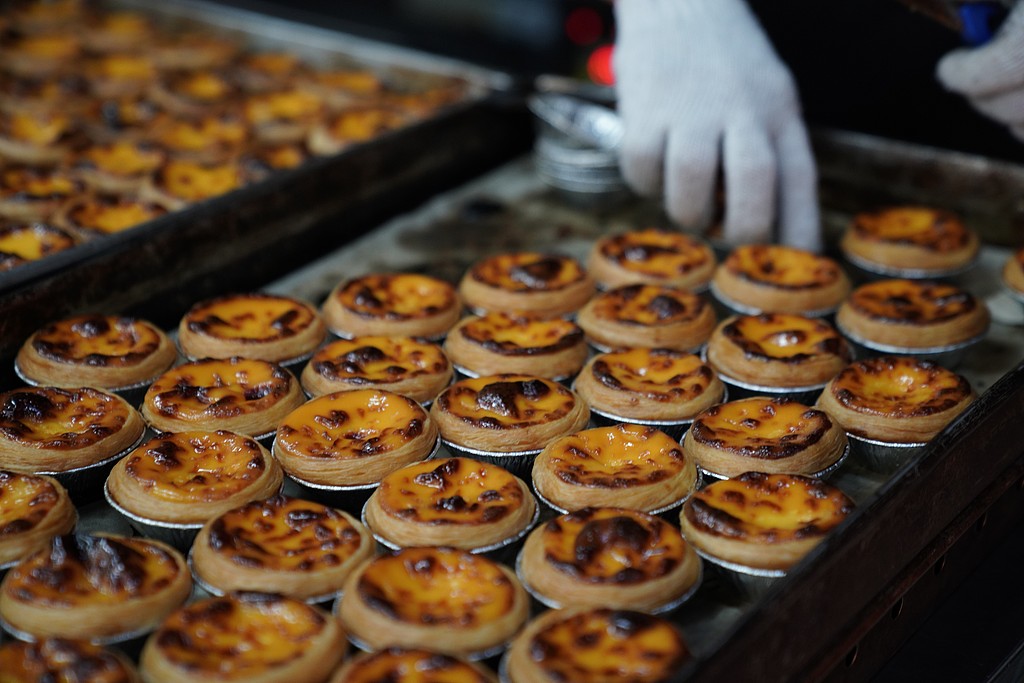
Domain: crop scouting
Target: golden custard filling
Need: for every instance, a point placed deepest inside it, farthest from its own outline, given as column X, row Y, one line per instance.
column 52, row 46
column 193, row 181
column 512, row 334
column 351, row 80
column 113, row 215
column 607, row 645
column 123, row 67
column 911, row 302
column 271, row 63
column 186, row 466
column 363, row 124
column 528, row 271
column 610, row 545
column 92, row 570
column 351, row 424
column 657, row 373
column 649, row 305
column 24, row 183
column 285, row 534
column 48, row 417
column 783, row 336
column 198, row 136
column 437, row 587
column 781, row 266
column 657, row 253
column 507, row 401
column 761, row 427
column 37, row 128
column 398, row 296
column 918, row 226
column 768, row 508
column 31, row 242
column 397, row 665
column 25, row 500
column 203, row 86
column 97, row 340
column 123, row 158
column 233, row 637
column 899, row 387
column 288, row 105
column 218, row 388
column 61, row 661
column 373, row 359
column 253, row 317
column 452, row 491
column 616, row 457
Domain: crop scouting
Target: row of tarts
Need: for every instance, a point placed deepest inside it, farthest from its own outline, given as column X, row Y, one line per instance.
column 364, row 448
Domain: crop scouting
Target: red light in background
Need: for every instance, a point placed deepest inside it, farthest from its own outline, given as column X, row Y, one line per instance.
column 584, row 26
column 599, row 65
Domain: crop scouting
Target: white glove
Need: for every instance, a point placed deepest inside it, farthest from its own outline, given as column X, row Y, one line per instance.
column 992, row 76
column 697, row 79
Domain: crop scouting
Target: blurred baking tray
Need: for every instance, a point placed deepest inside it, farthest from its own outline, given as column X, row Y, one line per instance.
column 246, row 237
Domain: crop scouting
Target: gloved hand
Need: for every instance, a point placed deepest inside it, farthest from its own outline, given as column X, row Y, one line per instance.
column 992, row 76
column 696, row 80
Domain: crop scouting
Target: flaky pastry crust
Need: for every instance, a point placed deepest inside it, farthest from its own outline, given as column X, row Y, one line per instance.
column 33, row 509
column 500, row 342
column 392, row 304
column 647, row 316
column 910, row 238
column 548, row 285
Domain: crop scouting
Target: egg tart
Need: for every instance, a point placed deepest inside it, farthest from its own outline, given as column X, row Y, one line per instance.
column 909, row 241
column 757, row 521
column 263, row 71
column 252, row 325
column 280, row 116
column 658, row 386
column 455, row 502
column 505, row 414
column 392, row 304
column 59, row 660
column 193, row 93
column 119, row 75
column 758, row 278
column 603, row 644
column 35, row 55
column 609, row 557
column 353, row 438
column 627, row 465
column 31, row 194
column 119, row 167
column 37, row 17
column 766, row 435
column 1013, row 273
column 280, row 545
column 344, row 88
column 401, row 665
column 652, row 256
column 904, row 316
column 22, row 243
column 35, row 137
column 99, row 588
column 238, row 395
column 190, row 477
column 548, row 285
column 191, row 50
column 33, row 509
column 444, row 599
column 210, row 138
column 252, row 637
column 647, row 316
column 260, row 161
column 92, row 216
column 501, row 342
column 109, row 121
column 180, row 182
column 896, row 398
column 103, row 351
column 49, row 429
column 118, row 31
column 776, row 351
column 352, row 126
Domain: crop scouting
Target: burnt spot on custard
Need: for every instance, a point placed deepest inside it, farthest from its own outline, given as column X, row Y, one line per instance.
column 489, row 506
column 637, row 249
column 944, row 233
column 912, row 303
column 175, row 400
column 527, row 273
column 664, row 307
column 64, row 343
column 848, row 387
column 88, row 415
column 766, row 271
column 373, row 297
column 552, row 342
column 682, row 385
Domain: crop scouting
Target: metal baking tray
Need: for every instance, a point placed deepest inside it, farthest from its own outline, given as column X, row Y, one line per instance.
column 251, row 235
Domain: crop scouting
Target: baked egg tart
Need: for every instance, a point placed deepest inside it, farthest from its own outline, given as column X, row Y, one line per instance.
column 285, row 115
column 657, row 387
column 99, row 588
column 609, row 557
column 60, row 660
column 34, row 194
column 549, row 285
column 454, row 502
column 602, row 644
column 180, row 182
column 401, row 665
column 759, row 278
column 766, row 435
column 909, row 241
column 353, row 438
column 191, row 51
column 240, row 395
column 27, row 242
column 103, row 351
column 280, row 545
column 33, row 509
column 211, row 138
column 252, row 325
column 1013, row 273
column 626, row 465
column 652, row 256
column 392, row 304
column 193, row 93
column 92, row 216
column 762, row 523
column 35, row 138
column 444, row 599
column 647, row 316
column 502, row 342
column 119, row 167
column 252, row 637
column 352, row 126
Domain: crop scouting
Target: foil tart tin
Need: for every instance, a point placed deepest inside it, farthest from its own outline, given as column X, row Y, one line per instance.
column 315, row 600
column 519, row 463
column 948, row 356
column 86, row 484
column 466, row 373
column 503, row 552
column 875, row 271
column 662, row 609
column 175, row 534
column 675, row 428
column 129, row 642
column 736, row 308
column 884, row 456
column 604, row 348
column 807, row 394
column 750, row 582
column 665, row 511
column 820, row 474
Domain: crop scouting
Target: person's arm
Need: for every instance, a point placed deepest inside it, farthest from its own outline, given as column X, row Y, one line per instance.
column 700, row 87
